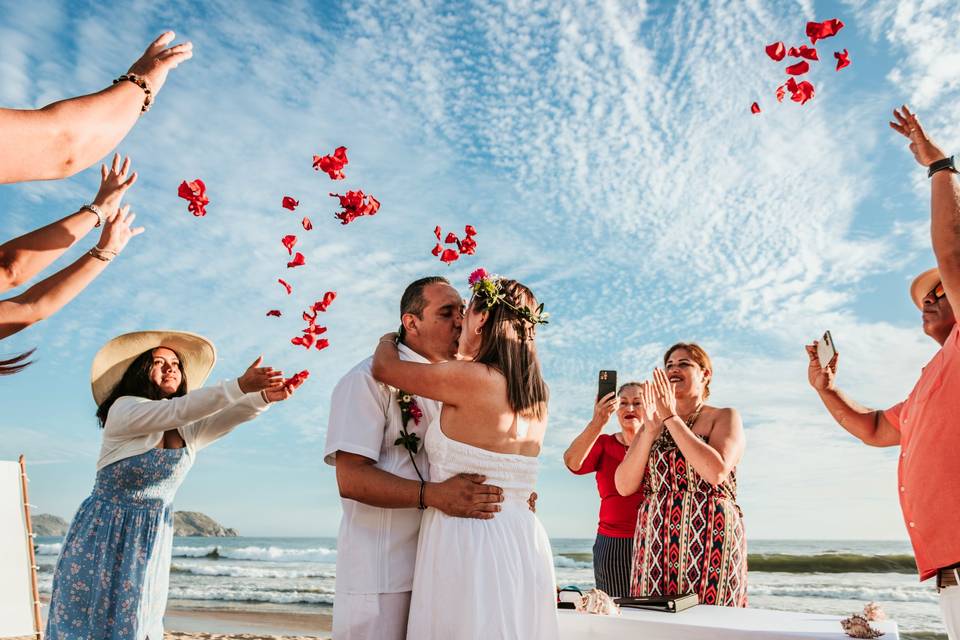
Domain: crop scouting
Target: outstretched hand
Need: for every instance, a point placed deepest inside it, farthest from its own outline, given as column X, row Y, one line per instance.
column 157, row 61
column 821, row 378
column 117, row 230
column 114, row 182
column 257, row 378
column 923, row 148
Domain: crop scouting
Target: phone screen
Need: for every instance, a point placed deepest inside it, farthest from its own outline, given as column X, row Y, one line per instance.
column 607, row 384
column 826, row 349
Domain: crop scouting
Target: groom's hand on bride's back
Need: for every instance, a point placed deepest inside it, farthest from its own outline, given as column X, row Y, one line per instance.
column 465, row 496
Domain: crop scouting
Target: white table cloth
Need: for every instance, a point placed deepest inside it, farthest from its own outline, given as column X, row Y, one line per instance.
column 702, row 621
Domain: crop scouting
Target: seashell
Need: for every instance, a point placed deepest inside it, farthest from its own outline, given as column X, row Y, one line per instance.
column 599, row 603
column 857, row 626
column 872, row 611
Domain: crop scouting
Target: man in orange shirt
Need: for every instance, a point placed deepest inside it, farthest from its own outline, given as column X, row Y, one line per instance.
column 926, row 424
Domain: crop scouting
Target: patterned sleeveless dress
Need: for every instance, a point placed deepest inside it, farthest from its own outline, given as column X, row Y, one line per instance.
column 689, row 535
column 111, row 579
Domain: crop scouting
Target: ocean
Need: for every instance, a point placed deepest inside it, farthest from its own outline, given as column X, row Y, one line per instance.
column 297, row 574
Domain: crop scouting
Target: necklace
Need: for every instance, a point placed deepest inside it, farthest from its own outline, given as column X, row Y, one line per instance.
column 666, row 441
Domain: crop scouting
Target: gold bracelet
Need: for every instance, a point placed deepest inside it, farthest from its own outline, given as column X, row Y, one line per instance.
column 101, row 254
column 141, row 82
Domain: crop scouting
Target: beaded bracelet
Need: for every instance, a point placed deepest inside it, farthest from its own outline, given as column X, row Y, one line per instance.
column 102, row 254
column 141, row 82
column 95, row 210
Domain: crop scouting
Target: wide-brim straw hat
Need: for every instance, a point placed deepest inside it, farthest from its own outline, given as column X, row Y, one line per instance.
column 924, row 284
column 197, row 356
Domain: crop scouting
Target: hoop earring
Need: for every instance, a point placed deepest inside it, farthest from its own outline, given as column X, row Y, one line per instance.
column 478, row 330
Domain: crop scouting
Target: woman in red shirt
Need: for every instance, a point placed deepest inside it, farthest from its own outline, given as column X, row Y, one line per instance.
column 595, row 451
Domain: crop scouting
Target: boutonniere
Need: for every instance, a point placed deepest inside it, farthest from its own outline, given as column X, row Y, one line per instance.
column 409, row 410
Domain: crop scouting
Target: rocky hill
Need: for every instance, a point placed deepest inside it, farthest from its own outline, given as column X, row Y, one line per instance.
column 194, row 523
column 45, row 524
column 185, row 523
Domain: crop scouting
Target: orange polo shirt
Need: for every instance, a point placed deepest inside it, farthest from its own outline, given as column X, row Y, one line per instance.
column 929, row 470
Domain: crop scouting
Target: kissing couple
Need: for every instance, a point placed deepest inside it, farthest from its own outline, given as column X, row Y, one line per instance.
column 435, row 440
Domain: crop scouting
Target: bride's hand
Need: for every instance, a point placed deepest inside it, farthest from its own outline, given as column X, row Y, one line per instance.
column 393, row 336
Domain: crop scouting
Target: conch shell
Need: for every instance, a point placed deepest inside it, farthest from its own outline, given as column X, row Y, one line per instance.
column 872, row 611
column 598, row 602
column 856, row 626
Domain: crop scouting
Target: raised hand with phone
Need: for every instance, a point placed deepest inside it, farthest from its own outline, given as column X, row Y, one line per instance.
column 594, row 451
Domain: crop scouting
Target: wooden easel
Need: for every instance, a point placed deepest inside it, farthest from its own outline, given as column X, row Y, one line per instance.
column 37, row 623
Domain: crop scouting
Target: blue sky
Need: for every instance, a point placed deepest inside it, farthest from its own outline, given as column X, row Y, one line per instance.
column 606, row 154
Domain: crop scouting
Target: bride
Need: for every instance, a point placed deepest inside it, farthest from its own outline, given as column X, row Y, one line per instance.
column 489, row 578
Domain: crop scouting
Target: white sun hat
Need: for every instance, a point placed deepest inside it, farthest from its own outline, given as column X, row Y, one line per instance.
column 197, row 356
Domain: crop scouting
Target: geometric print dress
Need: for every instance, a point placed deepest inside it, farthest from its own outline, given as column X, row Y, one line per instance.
column 112, row 576
column 689, row 535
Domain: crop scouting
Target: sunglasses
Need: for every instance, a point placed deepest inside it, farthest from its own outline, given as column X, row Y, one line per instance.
column 937, row 292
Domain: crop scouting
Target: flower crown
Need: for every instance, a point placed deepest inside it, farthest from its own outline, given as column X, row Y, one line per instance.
column 489, row 289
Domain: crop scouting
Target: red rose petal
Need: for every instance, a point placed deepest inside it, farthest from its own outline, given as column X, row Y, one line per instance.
column 310, row 318
column 468, row 246
column 799, row 92
column 328, row 299
column 820, row 30
column 799, row 69
column 315, row 329
column 449, row 255
column 274, row 312
column 290, row 203
column 288, row 242
column 803, row 52
column 322, row 343
column 469, row 230
column 332, row 165
column 776, row 51
column 307, row 225
column 754, row 108
column 298, row 261
column 296, row 379
column 286, row 286
column 436, row 231
column 437, row 249
column 843, row 59
column 306, row 340
column 195, row 192
column 451, row 238
column 355, row 204
column 781, row 90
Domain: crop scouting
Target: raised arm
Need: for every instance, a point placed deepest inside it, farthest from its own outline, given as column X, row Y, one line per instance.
column 50, row 295
column 131, row 416
column 68, row 136
column 944, row 201
column 628, row 477
column 713, row 460
column 582, row 445
column 867, row 425
column 448, row 382
column 24, row 257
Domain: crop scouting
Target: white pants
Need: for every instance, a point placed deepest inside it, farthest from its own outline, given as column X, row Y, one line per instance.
column 370, row 616
column 950, row 606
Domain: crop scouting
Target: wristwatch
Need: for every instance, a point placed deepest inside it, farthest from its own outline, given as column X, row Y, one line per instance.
column 946, row 164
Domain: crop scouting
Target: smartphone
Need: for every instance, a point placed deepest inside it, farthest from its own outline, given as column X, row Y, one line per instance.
column 608, row 383
column 826, row 349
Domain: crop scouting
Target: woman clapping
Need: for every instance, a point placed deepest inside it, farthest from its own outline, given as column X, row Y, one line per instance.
column 689, row 535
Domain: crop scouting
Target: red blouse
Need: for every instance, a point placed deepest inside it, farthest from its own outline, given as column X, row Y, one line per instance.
column 618, row 514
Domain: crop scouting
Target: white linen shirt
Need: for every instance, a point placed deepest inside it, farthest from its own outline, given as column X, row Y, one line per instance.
column 376, row 547
column 136, row 425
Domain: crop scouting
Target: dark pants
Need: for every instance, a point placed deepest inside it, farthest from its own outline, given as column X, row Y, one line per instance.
column 612, row 558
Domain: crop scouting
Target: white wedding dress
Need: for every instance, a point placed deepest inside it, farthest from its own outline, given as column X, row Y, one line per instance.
column 483, row 579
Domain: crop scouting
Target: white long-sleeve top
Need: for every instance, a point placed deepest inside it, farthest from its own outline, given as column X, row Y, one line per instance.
column 136, row 425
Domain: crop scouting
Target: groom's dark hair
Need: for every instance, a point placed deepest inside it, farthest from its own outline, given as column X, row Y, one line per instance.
column 412, row 300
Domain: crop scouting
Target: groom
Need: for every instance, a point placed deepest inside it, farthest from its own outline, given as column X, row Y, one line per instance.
column 379, row 487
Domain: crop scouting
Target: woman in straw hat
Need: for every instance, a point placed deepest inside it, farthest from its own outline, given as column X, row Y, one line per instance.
column 112, row 575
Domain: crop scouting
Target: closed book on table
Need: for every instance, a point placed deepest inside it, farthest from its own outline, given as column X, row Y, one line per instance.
column 669, row 603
